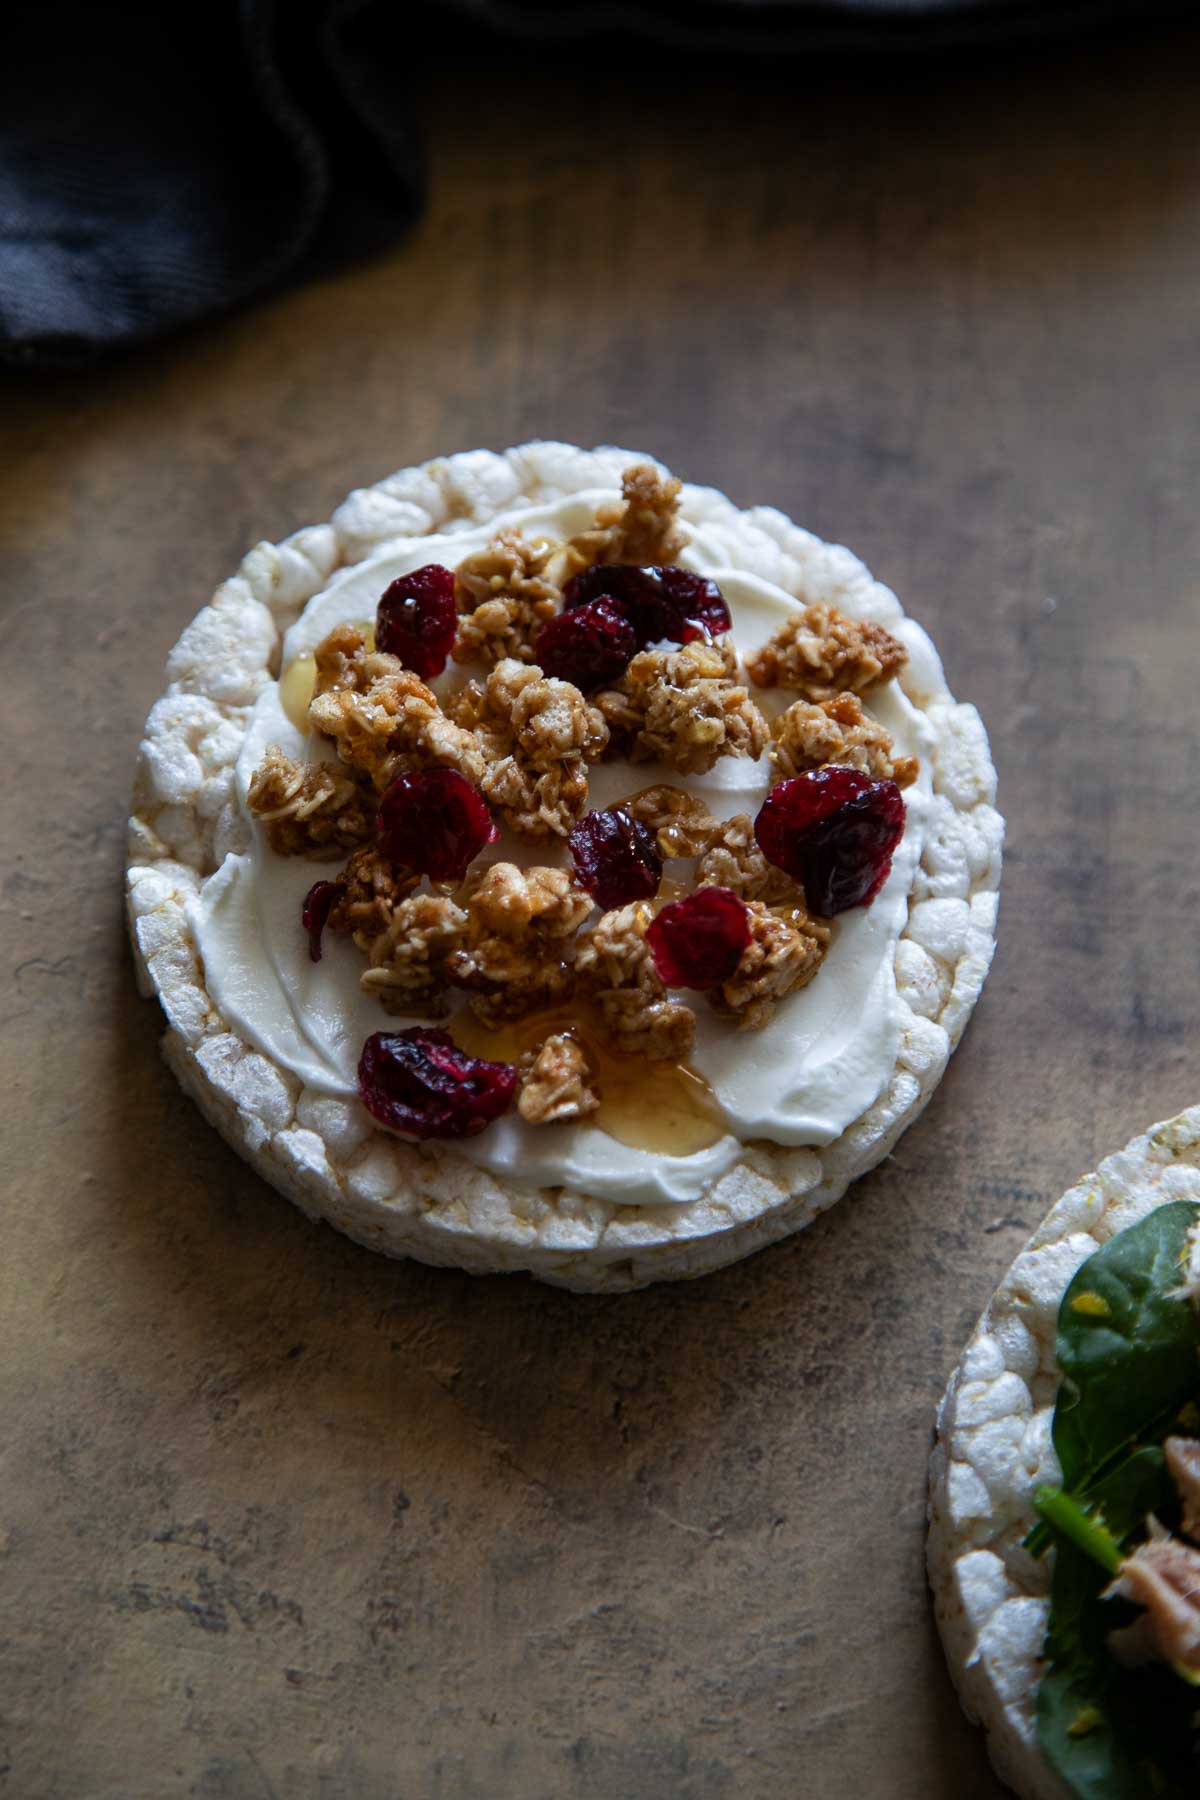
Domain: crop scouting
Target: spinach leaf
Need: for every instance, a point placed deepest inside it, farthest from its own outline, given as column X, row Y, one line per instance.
column 1111, row 1733
column 1128, row 1346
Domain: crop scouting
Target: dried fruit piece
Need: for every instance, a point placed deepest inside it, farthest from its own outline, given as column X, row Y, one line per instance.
column 435, row 821
column 698, row 941
column 833, row 830
column 616, row 858
column 419, row 1083
column 661, row 601
column 417, row 619
column 589, row 645
column 314, row 913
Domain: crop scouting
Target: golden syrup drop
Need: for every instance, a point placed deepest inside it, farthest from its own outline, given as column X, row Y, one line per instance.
column 664, row 1108
column 296, row 690
column 298, row 680
column 668, row 891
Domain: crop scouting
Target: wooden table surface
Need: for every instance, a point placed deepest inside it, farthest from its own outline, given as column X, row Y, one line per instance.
column 279, row 1518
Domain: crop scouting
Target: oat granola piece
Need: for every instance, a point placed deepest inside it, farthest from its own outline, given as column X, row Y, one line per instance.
column 370, row 888
column 517, row 953
column 540, row 735
column 537, row 804
column 682, row 824
column 821, row 653
column 541, row 718
column 523, row 903
column 309, row 809
column 734, row 860
column 505, row 598
column 339, row 659
column 642, row 527
column 614, row 964
column 407, row 972
column 814, row 732
column 387, row 720
column 554, row 1083
column 504, row 980
column 784, row 953
column 684, row 707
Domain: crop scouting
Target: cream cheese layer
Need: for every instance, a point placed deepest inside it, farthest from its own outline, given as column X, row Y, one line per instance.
column 817, row 1066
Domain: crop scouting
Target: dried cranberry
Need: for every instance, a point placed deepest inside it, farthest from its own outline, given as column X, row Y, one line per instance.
column 660, row 601
column 698, row 941
column 590, row 645
column 616, row 858
column 434, row 821
column 833, row 830
column 421, row 1084
column 314, row 912
column 417, row 619
column 697, row 603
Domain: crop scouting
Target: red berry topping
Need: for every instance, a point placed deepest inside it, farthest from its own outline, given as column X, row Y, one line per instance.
column 314, row 911
column 834, row 831
column 417, row 619
column 660, row 602
column 698, row 941
column 590, row 645
column 616, row 858
column 421, row 1084
column 434, row 821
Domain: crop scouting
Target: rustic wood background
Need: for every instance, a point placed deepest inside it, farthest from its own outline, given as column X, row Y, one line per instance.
column 279, row 1518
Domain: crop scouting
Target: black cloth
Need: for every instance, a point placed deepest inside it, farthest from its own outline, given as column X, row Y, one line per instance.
column 163, row 162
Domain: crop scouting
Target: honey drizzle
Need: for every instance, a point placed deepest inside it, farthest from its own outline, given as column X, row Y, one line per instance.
column 298, row 680
column 296, row 686
column 664, row 1108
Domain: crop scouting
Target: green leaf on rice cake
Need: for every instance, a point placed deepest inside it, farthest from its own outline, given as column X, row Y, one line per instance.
column 1128, row 1347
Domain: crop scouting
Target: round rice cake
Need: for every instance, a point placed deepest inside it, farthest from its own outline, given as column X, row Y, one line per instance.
column 429, row 1200
column 994, row 1449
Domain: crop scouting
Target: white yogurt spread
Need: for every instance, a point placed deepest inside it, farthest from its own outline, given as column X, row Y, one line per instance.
column 816, row 1067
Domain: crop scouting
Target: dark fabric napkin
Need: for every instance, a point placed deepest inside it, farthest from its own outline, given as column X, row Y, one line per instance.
column 162, row 162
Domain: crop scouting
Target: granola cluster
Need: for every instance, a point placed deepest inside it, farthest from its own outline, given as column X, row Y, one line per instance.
column 507, row 591
column 521, row 925
column 370, row 889
column 642, row 527
column 515, row 942
column 554, row 1083
column 682, row 824
column 684, row 707
column 785, row 951
column 814, row 732
column 539, row 735
column 408, row 961
column 381, row 717
column 615, row 966
column 734, row 860
column 820, row 652
column 309, row 809
column 504, row 598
